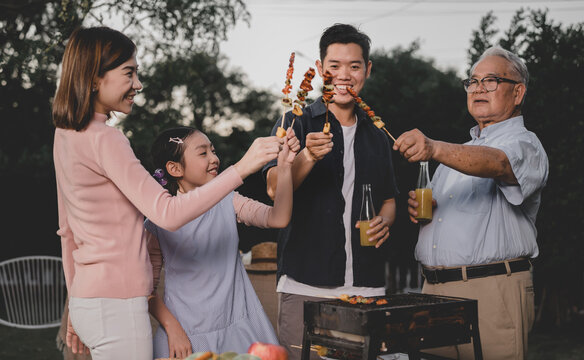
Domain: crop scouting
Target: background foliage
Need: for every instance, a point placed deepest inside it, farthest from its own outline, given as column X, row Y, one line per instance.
column 554, row 110
column 186, row 82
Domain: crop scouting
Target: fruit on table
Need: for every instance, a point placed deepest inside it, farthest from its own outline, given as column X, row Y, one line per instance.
column 267, row 351
column 223, row 356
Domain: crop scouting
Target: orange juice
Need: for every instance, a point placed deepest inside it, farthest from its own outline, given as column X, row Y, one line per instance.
column 364, row 226
column 424, row 209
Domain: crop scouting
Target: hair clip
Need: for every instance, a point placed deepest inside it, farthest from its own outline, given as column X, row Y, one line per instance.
column 176, row 140
column 159, row 175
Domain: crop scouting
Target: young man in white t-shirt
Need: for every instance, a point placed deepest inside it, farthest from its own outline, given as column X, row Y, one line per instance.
column 319, row 253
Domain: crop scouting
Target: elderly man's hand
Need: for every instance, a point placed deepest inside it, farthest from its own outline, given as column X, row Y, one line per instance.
column 415, row 146
column 413, row 204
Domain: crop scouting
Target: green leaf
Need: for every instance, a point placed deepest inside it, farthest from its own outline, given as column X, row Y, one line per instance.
column 230, row 355
column 246, row 357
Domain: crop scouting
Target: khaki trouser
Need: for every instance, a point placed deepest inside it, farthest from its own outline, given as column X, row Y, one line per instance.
column 506, row 314
column 291, row 324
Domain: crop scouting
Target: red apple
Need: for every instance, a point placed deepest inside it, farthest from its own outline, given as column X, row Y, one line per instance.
column 268, row 351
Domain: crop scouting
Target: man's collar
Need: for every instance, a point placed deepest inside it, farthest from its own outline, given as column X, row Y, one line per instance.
column 318, row 107
column 496, row 128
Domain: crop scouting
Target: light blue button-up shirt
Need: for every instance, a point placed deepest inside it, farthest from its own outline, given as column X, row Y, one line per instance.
column 481, row 220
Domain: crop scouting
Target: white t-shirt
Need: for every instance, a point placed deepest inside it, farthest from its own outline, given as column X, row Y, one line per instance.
column 288, row 285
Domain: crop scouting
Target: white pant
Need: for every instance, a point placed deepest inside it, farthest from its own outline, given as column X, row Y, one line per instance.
column 113, row 328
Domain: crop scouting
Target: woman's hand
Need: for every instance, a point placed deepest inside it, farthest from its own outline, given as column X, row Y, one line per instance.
column 179, row 345
column 378, row 230
column 261, row 151
column 73, row 341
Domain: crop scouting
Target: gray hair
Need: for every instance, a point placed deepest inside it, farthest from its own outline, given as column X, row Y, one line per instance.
column 517, row 65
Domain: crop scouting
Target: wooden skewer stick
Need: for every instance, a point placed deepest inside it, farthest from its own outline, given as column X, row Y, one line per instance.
column 312, row 348
column 327, row 96
column 281, row 132
column 392, row 138
column 367, row 109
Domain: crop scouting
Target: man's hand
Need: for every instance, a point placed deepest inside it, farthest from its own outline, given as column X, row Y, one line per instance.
column 415, row 146
column 319, row 144
column 413, row 204
column 378, row 230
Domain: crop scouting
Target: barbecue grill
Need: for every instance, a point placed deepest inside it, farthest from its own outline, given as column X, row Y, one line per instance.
column 408, row 323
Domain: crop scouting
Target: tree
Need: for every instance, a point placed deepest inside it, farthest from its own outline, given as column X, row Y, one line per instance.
column 481, row 38
column 32, row 39
column 196, row 91
column 554, row 110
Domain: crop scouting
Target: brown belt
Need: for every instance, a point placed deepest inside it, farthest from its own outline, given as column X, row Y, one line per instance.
column 435, row 276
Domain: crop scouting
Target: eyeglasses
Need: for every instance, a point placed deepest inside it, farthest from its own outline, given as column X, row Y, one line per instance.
column 490, row 83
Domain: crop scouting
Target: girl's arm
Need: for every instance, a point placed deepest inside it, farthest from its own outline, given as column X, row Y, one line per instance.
column 317, row 146
column 279, row 215
column 179, row 345
column 255, row 213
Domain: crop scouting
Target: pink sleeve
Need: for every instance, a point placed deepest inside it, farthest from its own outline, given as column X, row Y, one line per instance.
column 67, row 241
column 155, row 258
column 251, row 212
column 150, row 198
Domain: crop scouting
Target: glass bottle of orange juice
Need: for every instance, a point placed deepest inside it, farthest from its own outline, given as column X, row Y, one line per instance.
column 367, row 214
column 424, row 194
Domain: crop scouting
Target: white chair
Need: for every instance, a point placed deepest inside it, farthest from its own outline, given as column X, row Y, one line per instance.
column 33, row 292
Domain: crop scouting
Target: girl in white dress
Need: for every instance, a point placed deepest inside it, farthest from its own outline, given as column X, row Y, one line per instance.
column 209, row 303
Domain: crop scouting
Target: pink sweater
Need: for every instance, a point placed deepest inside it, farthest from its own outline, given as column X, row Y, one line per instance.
column 103, row 194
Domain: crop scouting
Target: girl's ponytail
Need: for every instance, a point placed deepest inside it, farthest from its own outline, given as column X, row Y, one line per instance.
column 169, row 146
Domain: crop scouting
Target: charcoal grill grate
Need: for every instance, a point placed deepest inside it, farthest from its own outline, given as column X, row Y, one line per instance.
column 408, row 322
column 396, row 301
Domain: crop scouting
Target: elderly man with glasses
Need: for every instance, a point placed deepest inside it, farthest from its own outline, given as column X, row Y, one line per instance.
column 487, row 194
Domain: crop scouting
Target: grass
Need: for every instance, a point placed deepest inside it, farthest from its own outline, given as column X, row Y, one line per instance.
column 16, row 344
column 28, row 344
column 564, row 344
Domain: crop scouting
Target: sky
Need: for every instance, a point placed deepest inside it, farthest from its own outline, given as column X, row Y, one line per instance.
column 262, row 49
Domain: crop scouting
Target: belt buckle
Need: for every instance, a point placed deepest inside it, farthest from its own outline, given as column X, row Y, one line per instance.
column 431, row 276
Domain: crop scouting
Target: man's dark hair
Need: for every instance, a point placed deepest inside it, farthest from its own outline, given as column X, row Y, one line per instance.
column 344, row 34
